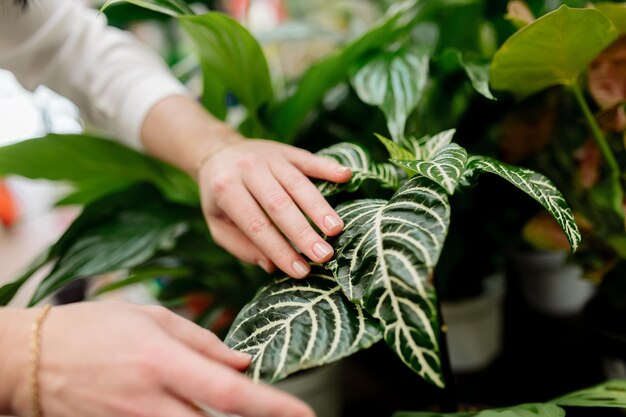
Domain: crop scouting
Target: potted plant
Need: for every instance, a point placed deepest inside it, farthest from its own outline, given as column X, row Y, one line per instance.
column 143, row 217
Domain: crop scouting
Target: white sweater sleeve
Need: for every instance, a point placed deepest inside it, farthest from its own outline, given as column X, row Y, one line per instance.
column 112, row 78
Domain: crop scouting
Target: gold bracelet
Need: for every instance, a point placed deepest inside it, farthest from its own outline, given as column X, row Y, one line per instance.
column 35, row 350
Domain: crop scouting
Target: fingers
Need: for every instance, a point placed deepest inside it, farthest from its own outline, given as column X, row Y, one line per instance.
column 245, row 212
column 316, row 166
column 222, row 388
column 281, row 208
column 171, row 406
column 199, row 339
column 231, row 238
column 308, row 198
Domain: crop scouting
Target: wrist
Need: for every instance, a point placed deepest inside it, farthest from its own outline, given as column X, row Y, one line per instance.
column 15, row 325
column 178, row 130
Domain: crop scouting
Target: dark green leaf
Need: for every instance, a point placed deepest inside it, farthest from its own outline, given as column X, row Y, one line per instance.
column 384, row 261
column 169, row 7
column 357, row 159
column 446, row 167
column 534, row 185
column 231, row 60
column 297, row 324
column 524, row 410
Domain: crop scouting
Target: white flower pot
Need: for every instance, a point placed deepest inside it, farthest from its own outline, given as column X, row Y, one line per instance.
column 551, row 285
column 474, row 328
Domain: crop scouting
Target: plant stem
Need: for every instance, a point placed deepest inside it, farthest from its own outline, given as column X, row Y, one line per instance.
column 599, row 137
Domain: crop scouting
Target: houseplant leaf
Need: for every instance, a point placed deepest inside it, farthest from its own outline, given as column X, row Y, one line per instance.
column 384, row 262
column 536, row 186
column 427, row 147
column 94, row 166
column 524, row 410
column 553, row 50
column 446, row 168
column 288, row 117
column 608, row 394
column 115, row 233
column 616, row 12
column 395, row 82
column 358, row 160
column 232, row 59
column 292, row 325
column 169, row 7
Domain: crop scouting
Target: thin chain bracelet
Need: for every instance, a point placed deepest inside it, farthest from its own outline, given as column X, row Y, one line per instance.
column 35, row 358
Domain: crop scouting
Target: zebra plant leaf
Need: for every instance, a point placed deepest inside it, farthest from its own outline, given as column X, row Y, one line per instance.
column 427, row 147
column 395, row 82
column 355, row 157
column 384, row 262
column 292, row 325
column 536, row 186
column 446, row 168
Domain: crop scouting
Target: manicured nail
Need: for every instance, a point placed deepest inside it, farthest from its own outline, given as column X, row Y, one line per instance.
column 322, row 250
column 264, row 266
column 331, row 222
column 342, row 170
column 300, row 267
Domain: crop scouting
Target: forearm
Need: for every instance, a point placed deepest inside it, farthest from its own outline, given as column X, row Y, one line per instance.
column 15, row 327
column 178, row 130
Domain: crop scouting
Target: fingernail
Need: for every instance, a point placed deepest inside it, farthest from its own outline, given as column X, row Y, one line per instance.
column 322, row 250
column 342, row 170
column 264, row 266
column 300, row 267
column 331, row 222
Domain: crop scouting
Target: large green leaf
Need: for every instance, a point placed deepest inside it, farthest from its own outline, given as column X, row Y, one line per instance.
column 524, row 410
column 608, row 394
column 115, row 233
column 298, row 324
column 446, row 168
column 384, row 261
column 289, row 115
column 231, row 60
column 169, row 7
column 395, row 82
column 616, row 12
column 358, row 160
column 536, row 186
column 92, row 165
column 553, row 50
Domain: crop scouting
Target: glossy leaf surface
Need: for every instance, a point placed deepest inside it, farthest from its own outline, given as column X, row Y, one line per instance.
column 292, row 325
column 384, row 261
column 609, row 394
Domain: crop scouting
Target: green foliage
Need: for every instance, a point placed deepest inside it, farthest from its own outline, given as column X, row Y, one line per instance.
column 292, row 325
column 554, row 50
column 168, row 7
column 608, row 394
column 524, row 410
column 94, row 166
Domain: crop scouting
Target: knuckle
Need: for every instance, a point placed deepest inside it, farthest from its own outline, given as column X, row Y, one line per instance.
column 257, row 225
column 247, row 161
column 278, row 202
column 295, row 181
column 227, row 395
column 220, row 184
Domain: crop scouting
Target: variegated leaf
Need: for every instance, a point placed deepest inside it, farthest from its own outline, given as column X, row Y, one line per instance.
column 445, row 168
column 536, row 186
column 357, row 159
column 292, row 325
column 396, row 151
column 384, row 262
column 394, row 82
column 427, row 147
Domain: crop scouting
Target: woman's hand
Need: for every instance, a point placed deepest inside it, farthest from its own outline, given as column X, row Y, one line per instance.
column 257, row 199
column 255, row 193
column 123, row 360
